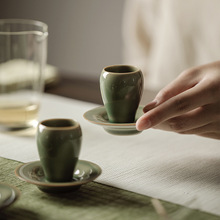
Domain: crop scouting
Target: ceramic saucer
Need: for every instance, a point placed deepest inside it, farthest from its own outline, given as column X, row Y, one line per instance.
column 99, row 116
column 33, row 173
column 8, row 195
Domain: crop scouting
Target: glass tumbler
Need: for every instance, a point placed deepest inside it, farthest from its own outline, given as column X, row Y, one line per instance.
column 23, row 52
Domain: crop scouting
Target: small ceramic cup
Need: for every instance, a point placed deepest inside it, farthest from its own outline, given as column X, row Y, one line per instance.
column 59, row 144
column 121, row 89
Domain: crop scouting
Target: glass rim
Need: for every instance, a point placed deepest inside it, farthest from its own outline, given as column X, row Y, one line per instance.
column 36, row 23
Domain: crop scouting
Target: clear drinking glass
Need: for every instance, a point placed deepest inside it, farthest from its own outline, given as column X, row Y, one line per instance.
column 23, row 52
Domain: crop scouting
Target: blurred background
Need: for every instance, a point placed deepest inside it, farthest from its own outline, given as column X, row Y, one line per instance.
column 84, row 35
column 162, row 38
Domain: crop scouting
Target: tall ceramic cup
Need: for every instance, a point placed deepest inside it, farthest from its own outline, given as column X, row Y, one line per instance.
column 59, row 144
column 121, row 89
column 23, row 52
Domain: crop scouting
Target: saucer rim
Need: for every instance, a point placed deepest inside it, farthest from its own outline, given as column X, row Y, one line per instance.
column 108, row 124
column 57, row 184
column 17, row 194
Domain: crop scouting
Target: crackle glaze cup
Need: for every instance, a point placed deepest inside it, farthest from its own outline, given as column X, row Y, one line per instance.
column 121, row 89
column 59, row 144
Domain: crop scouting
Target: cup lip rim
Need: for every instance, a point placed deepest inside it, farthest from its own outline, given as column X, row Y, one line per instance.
column 76, row 124
column 37, row 23
column 137, row 69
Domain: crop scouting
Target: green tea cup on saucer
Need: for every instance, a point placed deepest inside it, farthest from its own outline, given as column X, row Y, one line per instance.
column 121, row 89
column 59, row 144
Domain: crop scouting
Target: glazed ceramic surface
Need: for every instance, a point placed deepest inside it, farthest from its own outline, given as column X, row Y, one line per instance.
column 99, row 116
column 59, row 144
column 121, row 89
column 8, row 195
column 33, row 173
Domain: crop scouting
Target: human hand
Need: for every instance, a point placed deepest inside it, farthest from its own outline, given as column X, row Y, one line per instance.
column 188, row 105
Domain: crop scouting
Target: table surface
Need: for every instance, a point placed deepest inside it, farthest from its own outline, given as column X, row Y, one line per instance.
column 93, row 200
column 76, row 88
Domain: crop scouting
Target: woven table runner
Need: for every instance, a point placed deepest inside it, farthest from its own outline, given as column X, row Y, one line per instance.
column 91, row 201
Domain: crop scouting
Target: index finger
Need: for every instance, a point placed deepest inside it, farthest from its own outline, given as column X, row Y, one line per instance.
column 186, row 80
column 183, row 82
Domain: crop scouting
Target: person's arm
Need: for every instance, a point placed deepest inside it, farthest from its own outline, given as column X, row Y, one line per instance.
column 188, row 105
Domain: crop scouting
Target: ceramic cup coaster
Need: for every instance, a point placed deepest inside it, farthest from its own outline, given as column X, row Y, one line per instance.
column 8, row 195
column 99, row 116
column 33, row 173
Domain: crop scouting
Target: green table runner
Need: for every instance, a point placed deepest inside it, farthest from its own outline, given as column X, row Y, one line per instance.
column 91, row 201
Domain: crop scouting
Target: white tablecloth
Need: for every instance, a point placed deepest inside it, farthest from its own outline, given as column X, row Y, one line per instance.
column 177, row 168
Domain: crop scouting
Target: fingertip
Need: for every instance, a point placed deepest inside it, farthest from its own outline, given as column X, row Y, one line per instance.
column 143, row 124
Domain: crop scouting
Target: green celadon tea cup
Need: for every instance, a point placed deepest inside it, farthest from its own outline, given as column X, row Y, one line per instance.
column 121, row 89
column 59, row 144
